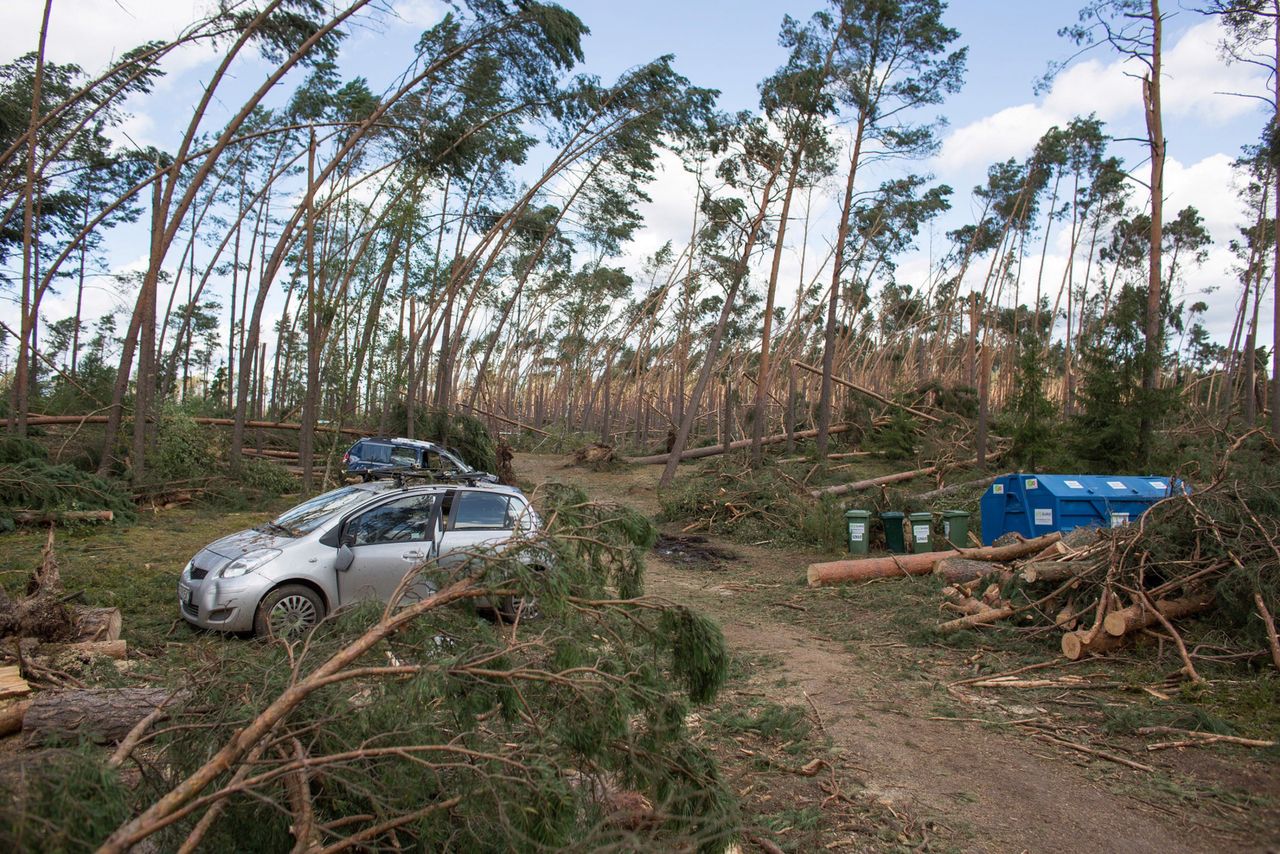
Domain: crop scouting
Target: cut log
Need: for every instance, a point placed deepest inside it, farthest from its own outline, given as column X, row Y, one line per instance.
column 1054, row 570
column 12, row 684
column 11, row 714
column 101, row 714
column 869, row 393
column 1125, row 620
column 713, row 450
column 865, row 569
column 97, row 624
column 959, row 569
column 1076, row 645
column 61, row 517
column 967, row 606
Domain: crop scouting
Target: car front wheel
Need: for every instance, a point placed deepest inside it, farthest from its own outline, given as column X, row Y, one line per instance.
column 288, row 611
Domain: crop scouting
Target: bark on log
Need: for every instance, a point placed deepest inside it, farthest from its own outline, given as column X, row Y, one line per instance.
column 698, row 453
column 1054, row 570
column 1125, row 620
column 990, row 615
column 61, row 517
column 97, row 624
column 1076, row 645
column 959, row 569
column 102, row 714
column 836, row 571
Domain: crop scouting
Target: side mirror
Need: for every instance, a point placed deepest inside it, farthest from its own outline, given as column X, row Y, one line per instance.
column 345, row 557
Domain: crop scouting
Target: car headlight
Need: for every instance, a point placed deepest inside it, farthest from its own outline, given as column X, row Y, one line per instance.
column 186, row 570
column 248, row 562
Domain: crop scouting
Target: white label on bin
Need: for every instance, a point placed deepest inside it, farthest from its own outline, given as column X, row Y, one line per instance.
column 946, row 528
column 1119, row 520
column 1158, row 484
column 1115, row 484
column 921, row 533
column 1074, row 484
column 857, row 531
column 1031, row 483
column 1044, row 515
column 997, row 489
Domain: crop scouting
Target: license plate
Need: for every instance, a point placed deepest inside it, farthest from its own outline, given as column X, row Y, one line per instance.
column 184, row 594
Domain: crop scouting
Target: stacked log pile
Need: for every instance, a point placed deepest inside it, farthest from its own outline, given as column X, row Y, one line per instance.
column 1213, row 555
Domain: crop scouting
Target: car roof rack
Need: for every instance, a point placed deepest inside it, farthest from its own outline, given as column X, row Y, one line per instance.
column 403, row 476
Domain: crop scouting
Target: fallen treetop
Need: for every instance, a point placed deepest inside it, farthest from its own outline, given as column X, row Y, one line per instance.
column 865, row 569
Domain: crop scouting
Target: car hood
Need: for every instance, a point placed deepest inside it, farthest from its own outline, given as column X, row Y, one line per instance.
column 233, row 546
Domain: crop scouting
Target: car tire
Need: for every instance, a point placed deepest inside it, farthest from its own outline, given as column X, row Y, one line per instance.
column 289, row 610
column 508, row 606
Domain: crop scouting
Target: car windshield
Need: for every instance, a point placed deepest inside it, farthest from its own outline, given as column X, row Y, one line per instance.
column 309, row 515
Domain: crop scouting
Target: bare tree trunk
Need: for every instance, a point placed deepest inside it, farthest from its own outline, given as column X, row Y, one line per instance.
column 21, row 373
column 1155, row 138
column 829, row 337
column 310, row 395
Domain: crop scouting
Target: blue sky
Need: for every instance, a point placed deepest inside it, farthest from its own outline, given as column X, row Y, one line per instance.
column 732, row 45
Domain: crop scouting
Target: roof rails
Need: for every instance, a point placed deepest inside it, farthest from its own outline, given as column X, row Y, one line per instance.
column 402, row 476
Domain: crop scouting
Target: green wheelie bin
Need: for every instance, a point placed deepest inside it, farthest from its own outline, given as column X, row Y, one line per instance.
column 921, row 532
column 955, row 528
column 894, row 541
column 857, row 525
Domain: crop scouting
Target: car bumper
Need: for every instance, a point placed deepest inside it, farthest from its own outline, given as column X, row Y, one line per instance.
column 218, row 604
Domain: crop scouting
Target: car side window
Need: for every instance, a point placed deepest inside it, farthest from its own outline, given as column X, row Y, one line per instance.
column 404, row 456
column 436, row 462
column 405, row 520
column 371, row 452
column 476, row 511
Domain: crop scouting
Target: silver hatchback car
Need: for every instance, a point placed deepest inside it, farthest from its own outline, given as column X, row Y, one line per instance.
column 353, row 543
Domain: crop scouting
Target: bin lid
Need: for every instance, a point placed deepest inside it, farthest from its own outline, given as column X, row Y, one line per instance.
column 857, row 514
column 891, row 514
column 921, row 514
column 1148, row 487
column 954, row 513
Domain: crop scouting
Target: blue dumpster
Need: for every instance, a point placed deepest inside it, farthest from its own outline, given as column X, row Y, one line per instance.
column 1037, row 504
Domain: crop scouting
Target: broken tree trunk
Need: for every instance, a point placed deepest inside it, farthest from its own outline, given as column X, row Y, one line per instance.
column 1125, row 620
column 837, row 571
column 1055, row 570
column 980, row 483
column 989, row 615
column 869, row 393
column 101, row 714
column 697, row 453
column 886, row 480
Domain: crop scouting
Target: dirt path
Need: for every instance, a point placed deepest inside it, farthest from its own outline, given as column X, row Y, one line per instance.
column 999, row 791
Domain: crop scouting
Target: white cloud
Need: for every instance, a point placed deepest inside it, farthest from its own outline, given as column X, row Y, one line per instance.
column 1196, row 81
column 419, row 13
column 91, row 32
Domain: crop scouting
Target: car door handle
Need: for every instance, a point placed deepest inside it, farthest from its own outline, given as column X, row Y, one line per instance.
column 414, row 555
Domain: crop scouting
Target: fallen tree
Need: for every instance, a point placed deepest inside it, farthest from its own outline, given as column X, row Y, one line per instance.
column 890, row 479
column 865, row 569
column 713, row 450
column 869, row 393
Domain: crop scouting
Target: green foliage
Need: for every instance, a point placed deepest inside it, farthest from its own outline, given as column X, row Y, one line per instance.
column 1106, row 434
column 897, row 439
column 17, row 449
column 1031, row 415
column 699, row 658
column 79, row 801
column 182, row 450
column 34, row 484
